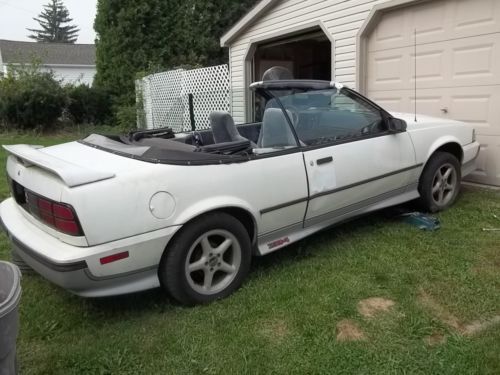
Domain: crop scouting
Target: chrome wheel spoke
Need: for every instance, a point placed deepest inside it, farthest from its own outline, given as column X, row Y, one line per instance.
column 221, row 249
column 439, row 175
column 198, row 265
column 436, row 187
column 227, row 268
column 440, row 196
column 448, row 187
column 206, row 246
column 447, row 174
column 207, row 280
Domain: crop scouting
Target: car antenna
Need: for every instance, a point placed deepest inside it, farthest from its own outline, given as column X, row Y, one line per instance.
column 415, row 49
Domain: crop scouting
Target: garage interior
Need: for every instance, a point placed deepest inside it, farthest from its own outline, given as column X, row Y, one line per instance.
column 306, row 56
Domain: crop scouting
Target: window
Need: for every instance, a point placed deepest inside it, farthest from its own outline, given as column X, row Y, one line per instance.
column 275, row 132
column 325, row 116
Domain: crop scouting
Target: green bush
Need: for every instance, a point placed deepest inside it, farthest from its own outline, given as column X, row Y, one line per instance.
column 126, row 117
column 33, row 99
column 88, row 105
column 30, row 98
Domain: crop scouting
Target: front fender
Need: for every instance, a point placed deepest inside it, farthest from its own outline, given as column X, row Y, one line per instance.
column 441, row 141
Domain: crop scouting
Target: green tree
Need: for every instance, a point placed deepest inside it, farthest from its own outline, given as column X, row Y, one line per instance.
column 54, row 25
column 157, row 35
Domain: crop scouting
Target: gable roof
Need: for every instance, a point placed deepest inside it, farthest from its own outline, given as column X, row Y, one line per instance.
column 243, row 23
column 14, row 52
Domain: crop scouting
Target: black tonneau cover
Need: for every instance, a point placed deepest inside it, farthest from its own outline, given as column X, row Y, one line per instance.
column 165, row 151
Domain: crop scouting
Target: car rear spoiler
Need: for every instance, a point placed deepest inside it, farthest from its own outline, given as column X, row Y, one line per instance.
column 72, row 174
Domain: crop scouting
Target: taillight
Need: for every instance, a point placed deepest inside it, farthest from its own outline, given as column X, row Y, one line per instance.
column 59, row 216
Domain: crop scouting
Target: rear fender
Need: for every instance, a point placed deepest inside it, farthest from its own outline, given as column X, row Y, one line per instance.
column 199, row 208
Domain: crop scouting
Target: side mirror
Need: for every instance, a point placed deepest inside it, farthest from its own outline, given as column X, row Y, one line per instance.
column 396, row 125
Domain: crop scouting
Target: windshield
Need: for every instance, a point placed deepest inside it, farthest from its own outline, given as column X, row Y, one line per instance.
column 321, row 116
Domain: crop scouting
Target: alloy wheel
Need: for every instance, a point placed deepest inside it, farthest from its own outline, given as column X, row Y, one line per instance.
column 213, row 261
column 444, row 184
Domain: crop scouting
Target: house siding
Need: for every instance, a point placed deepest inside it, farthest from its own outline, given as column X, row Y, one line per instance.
column 74, row 75
column 341, row 18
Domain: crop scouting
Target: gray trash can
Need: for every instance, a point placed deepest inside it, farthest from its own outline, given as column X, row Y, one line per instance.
column 10, row 295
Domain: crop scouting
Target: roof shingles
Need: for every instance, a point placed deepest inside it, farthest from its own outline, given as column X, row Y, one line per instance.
column 14, row 52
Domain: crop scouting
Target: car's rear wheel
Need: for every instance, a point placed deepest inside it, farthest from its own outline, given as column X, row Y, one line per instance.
column 207, row 260
column 440, row 182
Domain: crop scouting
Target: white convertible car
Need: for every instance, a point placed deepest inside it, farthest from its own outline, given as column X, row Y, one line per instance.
column 112, row 215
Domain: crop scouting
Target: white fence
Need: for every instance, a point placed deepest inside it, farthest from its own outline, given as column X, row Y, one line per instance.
column 165, row 97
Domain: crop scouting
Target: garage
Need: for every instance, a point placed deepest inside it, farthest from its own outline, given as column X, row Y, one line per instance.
column 457, row 68
column 372, row 46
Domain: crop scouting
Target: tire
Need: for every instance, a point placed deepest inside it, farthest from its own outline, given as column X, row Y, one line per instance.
column 208, row 260
column 440, row 182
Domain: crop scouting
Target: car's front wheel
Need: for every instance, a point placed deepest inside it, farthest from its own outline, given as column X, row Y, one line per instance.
column 440, row 182
column 207, row 260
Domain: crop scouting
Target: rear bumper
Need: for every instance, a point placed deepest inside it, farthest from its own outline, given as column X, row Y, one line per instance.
column 78, row 269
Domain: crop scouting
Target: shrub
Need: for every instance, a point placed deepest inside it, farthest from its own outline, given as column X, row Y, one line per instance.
column 30, row 98
column 88, row 105
column 126, row 117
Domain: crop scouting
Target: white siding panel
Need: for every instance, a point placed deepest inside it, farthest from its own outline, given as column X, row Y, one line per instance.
column 342, row 19
column 76, row 75
column 345, row 49
column 343, row 42
column 345, row 56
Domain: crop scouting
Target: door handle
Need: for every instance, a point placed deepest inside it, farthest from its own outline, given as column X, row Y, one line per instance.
column 326, row 160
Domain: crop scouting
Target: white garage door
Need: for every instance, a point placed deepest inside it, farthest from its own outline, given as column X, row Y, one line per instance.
column 458, row 68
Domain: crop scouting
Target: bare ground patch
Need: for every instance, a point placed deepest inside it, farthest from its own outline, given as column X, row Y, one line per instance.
column 446, row 317
column 371, row 307
column 438, row 310
column 477, row 326
column 489, row 263
column 349, row 330
column 437, row 338
column 275, row 330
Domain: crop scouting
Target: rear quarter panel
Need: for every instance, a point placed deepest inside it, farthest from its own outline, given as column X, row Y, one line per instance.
column 120, row 207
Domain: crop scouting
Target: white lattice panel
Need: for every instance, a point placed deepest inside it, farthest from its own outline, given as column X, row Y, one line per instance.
column 166, row 97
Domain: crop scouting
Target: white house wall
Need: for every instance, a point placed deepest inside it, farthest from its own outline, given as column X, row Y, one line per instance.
column 341, row 18
column 76, row 75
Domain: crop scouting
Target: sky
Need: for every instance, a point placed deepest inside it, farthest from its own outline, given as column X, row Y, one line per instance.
column 17, row 15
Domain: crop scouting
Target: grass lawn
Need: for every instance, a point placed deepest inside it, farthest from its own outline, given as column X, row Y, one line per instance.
column 303, row 310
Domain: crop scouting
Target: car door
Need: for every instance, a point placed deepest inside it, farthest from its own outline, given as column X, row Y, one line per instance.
column 352, row 160
column 280, row 184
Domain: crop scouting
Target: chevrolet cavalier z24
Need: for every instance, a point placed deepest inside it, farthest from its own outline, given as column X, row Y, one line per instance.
column 119, row 214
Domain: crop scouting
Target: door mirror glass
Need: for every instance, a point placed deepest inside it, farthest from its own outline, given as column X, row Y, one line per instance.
column 396, row 125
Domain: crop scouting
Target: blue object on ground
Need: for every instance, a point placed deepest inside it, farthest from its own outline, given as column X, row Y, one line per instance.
column 422, row 221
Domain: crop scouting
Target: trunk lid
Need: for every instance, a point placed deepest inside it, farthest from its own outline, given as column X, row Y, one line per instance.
column 59, row 173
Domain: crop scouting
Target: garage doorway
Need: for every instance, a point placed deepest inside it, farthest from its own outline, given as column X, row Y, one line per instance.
column 305, row 56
